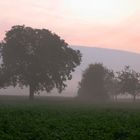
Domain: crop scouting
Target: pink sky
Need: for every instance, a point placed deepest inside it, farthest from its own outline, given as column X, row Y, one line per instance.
column 102, row 23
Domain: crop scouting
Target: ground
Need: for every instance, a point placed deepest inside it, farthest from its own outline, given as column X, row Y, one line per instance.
column 67, row 119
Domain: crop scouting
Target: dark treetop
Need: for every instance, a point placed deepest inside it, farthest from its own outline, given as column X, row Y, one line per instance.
column 36, row 58
column 94, row 83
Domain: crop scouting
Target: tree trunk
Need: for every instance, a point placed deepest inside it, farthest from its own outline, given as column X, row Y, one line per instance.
column 116, row 98
column 134, row 98
column 31, row 94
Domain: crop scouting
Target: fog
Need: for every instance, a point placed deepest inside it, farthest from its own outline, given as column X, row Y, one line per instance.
column 113, row 59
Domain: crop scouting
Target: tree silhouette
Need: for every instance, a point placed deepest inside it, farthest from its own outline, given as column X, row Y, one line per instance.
column 129, row 81
column 94, row 83
column 36, row 58
column 113, row 87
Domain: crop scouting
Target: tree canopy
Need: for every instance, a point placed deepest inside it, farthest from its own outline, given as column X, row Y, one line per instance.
column 98, row 83
column 94, row 83
column 129, row 80
column 36, row 58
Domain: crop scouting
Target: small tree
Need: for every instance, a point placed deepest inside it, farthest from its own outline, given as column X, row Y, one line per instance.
column 36, row 58
column 94, row 83
column 113, row 87
column 129, row 81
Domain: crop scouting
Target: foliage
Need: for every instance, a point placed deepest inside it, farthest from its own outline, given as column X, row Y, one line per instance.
column 95, row 83
column 36, row 58
column 64, row 122
column 129, row 81
column 98, row 82
column 113, row 86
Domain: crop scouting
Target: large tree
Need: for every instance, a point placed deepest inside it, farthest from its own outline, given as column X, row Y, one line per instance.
column 36, row 58
column 95, row 82
column 129, row 81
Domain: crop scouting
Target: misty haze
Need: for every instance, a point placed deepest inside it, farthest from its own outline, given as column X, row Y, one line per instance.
column 69, row 70
column 113, row 59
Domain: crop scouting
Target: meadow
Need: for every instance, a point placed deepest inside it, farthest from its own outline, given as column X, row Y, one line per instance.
column 67, row 119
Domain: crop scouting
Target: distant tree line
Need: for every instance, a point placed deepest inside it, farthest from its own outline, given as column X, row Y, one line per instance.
column 100, row 83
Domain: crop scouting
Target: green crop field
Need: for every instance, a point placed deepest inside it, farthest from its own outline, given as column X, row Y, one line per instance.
column 64, row 119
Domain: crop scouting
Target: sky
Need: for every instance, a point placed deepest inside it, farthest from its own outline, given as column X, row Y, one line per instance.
column 111, row 24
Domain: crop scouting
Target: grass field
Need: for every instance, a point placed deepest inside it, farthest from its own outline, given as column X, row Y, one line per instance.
column 65, row 119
